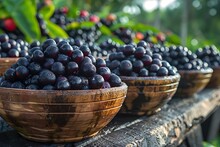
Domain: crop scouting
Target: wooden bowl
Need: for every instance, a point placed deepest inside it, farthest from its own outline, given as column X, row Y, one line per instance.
column 60, row 116
column 192, row 82
column 6, row 63
column 215, row 79
column 146, row 95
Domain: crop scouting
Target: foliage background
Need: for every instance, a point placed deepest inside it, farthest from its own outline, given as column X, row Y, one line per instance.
column 203, row 19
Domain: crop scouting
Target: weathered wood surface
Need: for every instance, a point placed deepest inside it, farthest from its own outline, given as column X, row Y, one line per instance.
column 167, row 128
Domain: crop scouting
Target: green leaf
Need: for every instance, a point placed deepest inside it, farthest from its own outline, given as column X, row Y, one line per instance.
column 47, row 11
column 3, row 12
column 23, row 12
column 135, row 27
column 174, row 39
column 76, row 25
column 87, row 24
column 73, row 25
column 206, row 144
column 105, row 30
column 117, row 40
column 55, row 30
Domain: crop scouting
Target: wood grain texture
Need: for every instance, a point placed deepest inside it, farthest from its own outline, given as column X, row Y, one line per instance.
column 215, row 79
column 60, row 116
column 166, row 128
column 192, row 82
column 146, row 95
column 6, row 63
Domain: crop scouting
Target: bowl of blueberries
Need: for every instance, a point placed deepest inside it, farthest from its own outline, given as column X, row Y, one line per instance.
column 10, row 51
column 195, row 74
column 60, row 93
column 211, row 55
column 151, row 81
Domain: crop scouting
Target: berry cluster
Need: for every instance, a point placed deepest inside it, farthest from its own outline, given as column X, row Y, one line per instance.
column 59, row 66
column 59, row 17
column 139, row 61
column 209, row 54
column 126, row 35
column 180, row 57
column 109, row 20
column 12, row 48
column 108, row 46
column 42, row 25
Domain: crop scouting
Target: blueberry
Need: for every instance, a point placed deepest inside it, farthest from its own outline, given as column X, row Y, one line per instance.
column 143, row 72
column 139, row 52
column 21, row 72
column 46, row 77
column 4, row 38
column 5, row 83
column 47, row 43
column 64, row 59
column 106, row 85
column 147, row 60
column 18, row 85
column 51, row 51
column 125, row 67
column 48, row 87
column 75, row 82
column 154, row 68
column 13, row 53
column 38, row 56
column 48, row 63
column 66, row 49
column 85, row 49
column 157, row 56
column 162, row 71
column 32, row 86
column 157, row 62
column 63, row 85
column 77, row 56
column 137, row 65
column 142, row 44
column 115, row 81
column 88, row 70
column 10, row 74
column 100, row 63
column 96, row 82
column 57, row 68
column 114, row 64
column 34, row 68
column 104, row 72
column 128, row 50
column 72, row 68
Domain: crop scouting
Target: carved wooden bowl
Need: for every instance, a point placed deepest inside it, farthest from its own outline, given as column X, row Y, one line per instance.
column 215, row 79
column 6, row 63
column 192, row 82
column 60, row 116
column 146, row 95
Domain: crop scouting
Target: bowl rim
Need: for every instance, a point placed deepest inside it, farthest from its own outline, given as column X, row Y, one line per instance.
column 31, row 91
column 155, row 78
column 216, row 68
column 208, row 70
column 62, row 113
column 9, row 58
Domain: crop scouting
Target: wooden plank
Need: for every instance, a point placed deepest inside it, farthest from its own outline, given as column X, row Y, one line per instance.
column 166, row 128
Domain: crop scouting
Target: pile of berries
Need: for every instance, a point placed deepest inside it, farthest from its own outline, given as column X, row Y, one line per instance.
column 209, row 54
column 139, row 61
column 12, row 48
column 42, row 25
column 180, row 57
column 59, row 66
column 126, row 35
column 59, row 17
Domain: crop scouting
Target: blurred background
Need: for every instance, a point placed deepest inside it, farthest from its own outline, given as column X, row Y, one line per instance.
column 192, row 23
